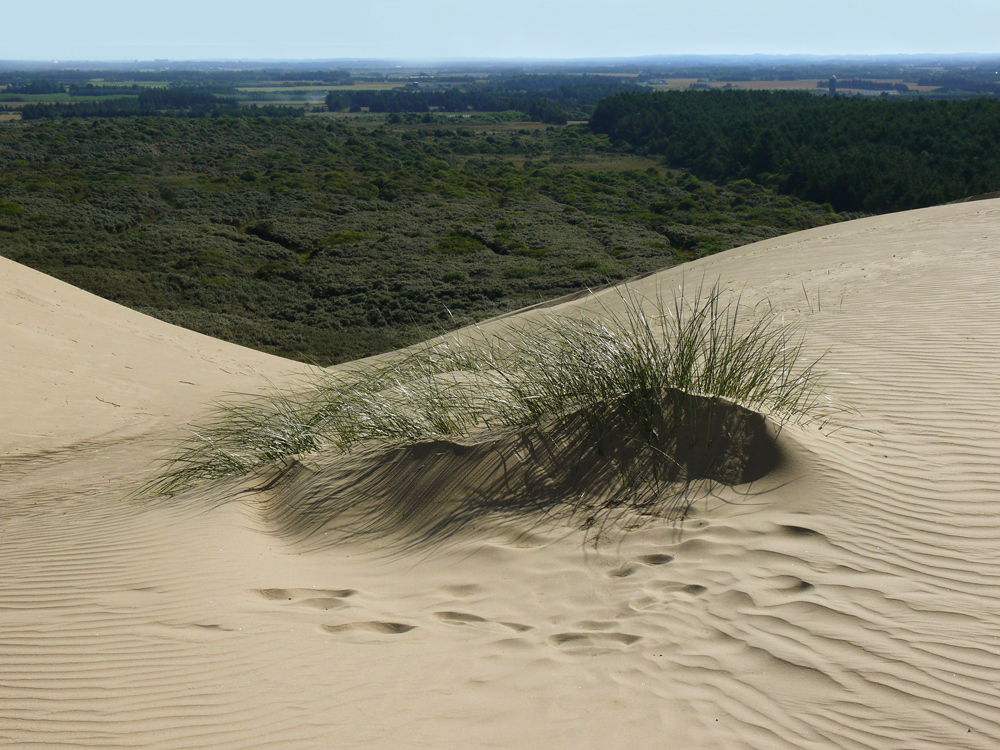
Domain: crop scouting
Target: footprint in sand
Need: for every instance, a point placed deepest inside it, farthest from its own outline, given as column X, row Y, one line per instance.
column 799, row 531
column 331, row 599
column 381, row 628
column 462, row 591
column 591, row 640
column 322, row 599
column 656, row 559
column 594, row 634
column 801, row 586
column 459, row 618
column 464, row 618
column 623, row 572
column 672, row 587
column 791, row 585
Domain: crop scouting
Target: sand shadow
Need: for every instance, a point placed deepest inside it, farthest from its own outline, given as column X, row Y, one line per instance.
column 587, row 469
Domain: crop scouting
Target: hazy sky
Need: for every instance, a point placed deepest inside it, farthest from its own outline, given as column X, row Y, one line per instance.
column 445, row 29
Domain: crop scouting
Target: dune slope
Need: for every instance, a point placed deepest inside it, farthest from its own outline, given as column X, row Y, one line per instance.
column 848, row 599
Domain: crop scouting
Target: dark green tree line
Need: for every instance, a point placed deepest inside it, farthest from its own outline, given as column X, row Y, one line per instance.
column 858, row 154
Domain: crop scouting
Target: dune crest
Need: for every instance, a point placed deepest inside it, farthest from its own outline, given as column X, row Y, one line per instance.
column 79, row 367
column 848, row 598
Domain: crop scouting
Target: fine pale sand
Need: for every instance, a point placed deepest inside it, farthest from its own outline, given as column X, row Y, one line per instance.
column 850, row 598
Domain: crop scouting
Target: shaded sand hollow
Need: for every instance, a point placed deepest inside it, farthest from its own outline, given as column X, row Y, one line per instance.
column 850, row 598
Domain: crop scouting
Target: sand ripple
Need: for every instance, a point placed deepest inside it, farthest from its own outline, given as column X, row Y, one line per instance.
column 849, row 599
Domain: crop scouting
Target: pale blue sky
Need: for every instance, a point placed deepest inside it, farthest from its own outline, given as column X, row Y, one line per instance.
column 463, row 29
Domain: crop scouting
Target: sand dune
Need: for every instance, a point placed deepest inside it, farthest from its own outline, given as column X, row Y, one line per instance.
column 849, row 598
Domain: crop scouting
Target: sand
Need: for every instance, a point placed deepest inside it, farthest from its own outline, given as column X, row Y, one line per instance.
column 847, row 599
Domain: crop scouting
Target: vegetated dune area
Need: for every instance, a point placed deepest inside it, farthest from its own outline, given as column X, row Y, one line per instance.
column 848, row 597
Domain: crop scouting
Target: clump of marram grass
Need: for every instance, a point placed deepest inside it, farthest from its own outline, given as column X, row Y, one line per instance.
column 611, row 366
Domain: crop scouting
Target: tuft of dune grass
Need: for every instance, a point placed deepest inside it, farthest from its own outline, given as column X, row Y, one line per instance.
column 614, row 365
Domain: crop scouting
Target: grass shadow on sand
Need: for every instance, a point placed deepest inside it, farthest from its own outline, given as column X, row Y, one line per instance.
column 419, row 495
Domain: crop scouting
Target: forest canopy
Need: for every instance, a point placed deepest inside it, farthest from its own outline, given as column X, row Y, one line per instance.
column 867, row 154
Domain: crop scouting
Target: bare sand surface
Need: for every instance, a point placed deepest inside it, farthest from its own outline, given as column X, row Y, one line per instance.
column 849, row 599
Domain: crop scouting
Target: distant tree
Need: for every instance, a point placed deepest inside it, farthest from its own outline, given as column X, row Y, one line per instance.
column 40, row 86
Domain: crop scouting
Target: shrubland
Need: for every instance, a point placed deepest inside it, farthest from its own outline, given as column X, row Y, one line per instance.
column 328, row 240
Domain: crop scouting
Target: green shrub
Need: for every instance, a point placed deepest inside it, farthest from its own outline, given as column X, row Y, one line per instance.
column 524, row 251
column 522, row 272
column 347, row 237
column 455, row 243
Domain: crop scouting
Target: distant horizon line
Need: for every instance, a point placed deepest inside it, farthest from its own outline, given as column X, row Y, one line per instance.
column 608, row 60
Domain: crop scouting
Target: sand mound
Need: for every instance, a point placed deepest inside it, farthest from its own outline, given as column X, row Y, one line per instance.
column 848, row 599
column 567, row 471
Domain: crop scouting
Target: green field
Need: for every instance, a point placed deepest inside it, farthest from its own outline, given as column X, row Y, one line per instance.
column 29, row 98
column 320, row 88
column 138, row 82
